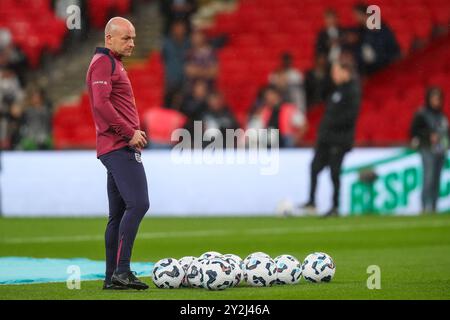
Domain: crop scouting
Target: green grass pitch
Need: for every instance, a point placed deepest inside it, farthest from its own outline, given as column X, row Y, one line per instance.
column 412, row 252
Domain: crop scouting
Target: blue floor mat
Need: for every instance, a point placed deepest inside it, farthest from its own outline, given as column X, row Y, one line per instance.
column 21, row 270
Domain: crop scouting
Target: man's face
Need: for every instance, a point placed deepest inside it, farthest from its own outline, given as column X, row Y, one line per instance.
column 179, row 30
column 215, row 102
column 339, row 74
column 435, row 101
column 330, row 20
column 198, row 39
column 121, row 40
column 360, row 17
column 271, row 98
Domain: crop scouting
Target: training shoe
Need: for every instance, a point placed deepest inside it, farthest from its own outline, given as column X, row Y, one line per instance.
column 128, row 279
column 309, row 209
column 333, row 212
column 112, row 286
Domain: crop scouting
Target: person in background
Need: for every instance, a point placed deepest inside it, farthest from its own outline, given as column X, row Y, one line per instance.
column 317, row 81
column 375, row 48
column 36, row 129
column 11, row 57
column 173, row 10
column 195, row 104
column 11, row 98
column 336, row 131
column 218, row 116
column 329, row 38
column 174, row 49
column 430, row 135
column 289, row 82
column 201, row 61
column 277, row 114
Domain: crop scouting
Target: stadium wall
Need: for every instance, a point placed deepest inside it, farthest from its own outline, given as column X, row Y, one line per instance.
column 73, row 183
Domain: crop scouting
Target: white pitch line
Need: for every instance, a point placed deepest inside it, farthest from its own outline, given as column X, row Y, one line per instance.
column 255, row 231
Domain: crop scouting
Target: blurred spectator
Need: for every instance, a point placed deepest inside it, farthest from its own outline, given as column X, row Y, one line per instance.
column 35, row 132
column 289, row 81
column 430, row 134
column 10, row 89
column 317, row 81
column 173, row 10
column 375, row 48
column 12, row 57
column 201, row 61
column 330, row 37
column 174, row 50
column 11, row 96
column 277, row 114
column 258, row 103
column 218, row 116
column 195, row 103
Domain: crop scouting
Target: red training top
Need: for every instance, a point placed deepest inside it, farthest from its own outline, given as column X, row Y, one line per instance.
column 112, row 101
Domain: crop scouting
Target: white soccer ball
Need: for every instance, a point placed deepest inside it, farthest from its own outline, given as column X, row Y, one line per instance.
column 217, row 274
column 318, row 267
column 261, row 271
column 289, row 269
column 237, row 266
column 285, row 208
column 256, row 254
column 167, row 273
column 210, row 255
column 194, row 274
column 185, row 262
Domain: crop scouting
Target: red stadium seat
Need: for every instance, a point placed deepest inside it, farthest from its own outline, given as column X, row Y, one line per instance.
column 160, row 124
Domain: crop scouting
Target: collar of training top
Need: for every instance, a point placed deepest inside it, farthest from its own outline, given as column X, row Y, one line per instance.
column 108, row 52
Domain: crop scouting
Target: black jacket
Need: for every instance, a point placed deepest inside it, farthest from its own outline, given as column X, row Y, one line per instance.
column 427, row 121
column 337, row 127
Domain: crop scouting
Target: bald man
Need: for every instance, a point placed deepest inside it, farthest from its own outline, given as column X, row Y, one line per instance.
column 119, row 145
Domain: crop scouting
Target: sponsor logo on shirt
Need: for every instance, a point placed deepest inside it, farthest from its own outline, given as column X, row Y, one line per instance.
column 100, row 82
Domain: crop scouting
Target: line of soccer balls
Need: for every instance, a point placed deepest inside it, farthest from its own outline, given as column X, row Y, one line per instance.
column 214, row 271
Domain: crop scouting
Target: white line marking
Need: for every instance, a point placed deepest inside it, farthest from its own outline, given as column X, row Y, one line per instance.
column 254, row 231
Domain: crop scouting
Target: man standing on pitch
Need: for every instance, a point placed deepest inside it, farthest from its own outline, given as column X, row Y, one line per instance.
column 336, row 131
column 119, row 145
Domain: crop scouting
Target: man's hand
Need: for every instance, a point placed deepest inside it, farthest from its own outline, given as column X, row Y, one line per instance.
column 139, row 140
column 434, row 138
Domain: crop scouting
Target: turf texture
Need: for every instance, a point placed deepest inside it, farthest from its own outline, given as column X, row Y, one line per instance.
column 413, row 253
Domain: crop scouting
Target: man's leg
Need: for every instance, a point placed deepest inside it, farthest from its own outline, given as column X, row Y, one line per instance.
column 336, row 158
column 129, row 176
column 319, row 162
column 116, row 212
column 427, row 172
column 438, row 163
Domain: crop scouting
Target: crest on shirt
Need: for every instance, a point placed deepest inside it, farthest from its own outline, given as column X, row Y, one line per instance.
column 336, row 97
column 137, row 156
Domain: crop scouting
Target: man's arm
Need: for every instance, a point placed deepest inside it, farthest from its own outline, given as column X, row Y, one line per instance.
column 101, row 87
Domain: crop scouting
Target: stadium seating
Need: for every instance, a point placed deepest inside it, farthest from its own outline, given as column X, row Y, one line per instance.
column 32, row 35
column 100, row 10
column 392, row 96
column 160, row 124
column 35, row 35
column 260, row 30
